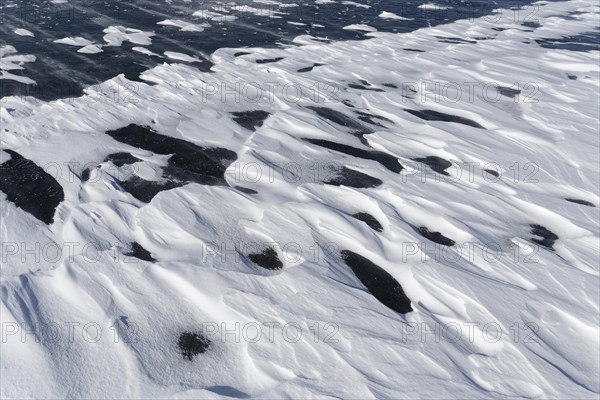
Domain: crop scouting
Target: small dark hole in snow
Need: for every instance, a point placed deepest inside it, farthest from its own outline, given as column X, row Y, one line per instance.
column 352, row 178
column 191, row 344
column 387, row 160
column 582, row 202
column 378, row 282
column 267, row 259
column 120, row 159
column 438, row 164
column 431, row 115
column 492, row 172
column 30, row 187
column 436, row 237
column 250, row 119
column 138, row 251
column 269, row 60
column 369, row 220
column 548, row 238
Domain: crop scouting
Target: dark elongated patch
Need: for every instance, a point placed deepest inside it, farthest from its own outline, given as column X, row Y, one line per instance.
column 308, row 69
column 531, row 24
column 120, row 159
column 241, row 53
column 378, row 281
column 269, row 60
column 415, row 50
column 387, row 160
column 455, row 40
column 268, row 259
column 339, row 118
column 250, row 119
column 30, row 188
column 352, row 178
column 582, row 202
column 141, row 253
column 492, row 172
column 370, row 118
column 144, row 190
column 436, row 237
column 391, row 85
column 246, row 190
column 431, row 115
column 191, row 344
column 548, row 238
column 438, row 164
column 188, row 162
column 362, row 87
column 369, row 220
column 508, row 92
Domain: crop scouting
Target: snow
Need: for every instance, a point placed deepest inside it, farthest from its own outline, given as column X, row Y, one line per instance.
column 116, row 35
column 527, row 314
column 181, row 56
column 90, row 49
column 360, row 27
column 184, row 26
column 74, row 41
column 24, row 32
column 390, row 15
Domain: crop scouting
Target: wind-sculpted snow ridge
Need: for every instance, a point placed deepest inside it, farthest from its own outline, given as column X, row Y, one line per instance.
column 440, row 246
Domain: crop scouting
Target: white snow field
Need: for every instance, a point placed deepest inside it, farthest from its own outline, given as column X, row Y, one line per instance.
column 503, row 282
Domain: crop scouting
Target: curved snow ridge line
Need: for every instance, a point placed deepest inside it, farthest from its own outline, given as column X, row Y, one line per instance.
column 439, row 239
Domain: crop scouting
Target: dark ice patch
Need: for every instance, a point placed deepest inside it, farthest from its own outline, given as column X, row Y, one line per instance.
column 369, row 118
column 390, row 85
column 531, row 24
column 572, row 77
column 308, row 69
column 582, row 202
column 85, row 175
column 352, row 178
column 348, row 103
column 241, row 53
column 246, row 190
column 454, row 40
column 415, row 50
column 120, row 159
column 438, row 164
column 588, row 41
column 250, row 119
column 548, row 238
column 144, row 190
column 229, row 392
column 436, row 237
column 188, row 162
column 492, row 172
column 387, row 160
column 141, row 253
column 342, row 119
column 191, row 344
column 269, row 60
column 363, row 87
column 268, row 259
column 508, row 92
column 370, row 220
column 30, row 188
column 378, row 282
column 431, row 115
